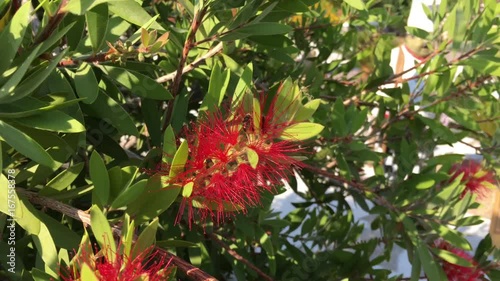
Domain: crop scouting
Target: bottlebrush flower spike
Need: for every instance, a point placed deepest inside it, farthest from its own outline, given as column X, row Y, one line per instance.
column 236, row 155
column 456, row 272
column 475, row 178
column 107, row 265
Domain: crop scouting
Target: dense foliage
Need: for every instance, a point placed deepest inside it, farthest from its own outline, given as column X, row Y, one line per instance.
column 144, row 140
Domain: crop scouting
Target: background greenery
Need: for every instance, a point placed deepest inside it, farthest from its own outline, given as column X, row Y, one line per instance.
column 89, row 100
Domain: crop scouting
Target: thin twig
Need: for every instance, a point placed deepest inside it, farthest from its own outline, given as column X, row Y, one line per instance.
column 212, row 52
column 192, row 272
column 177, row 75
column 188, row 44
column 238, row 257
column 55, row 205
column 53, row 23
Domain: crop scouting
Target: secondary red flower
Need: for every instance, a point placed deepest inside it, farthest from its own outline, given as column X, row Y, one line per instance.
column 151, row 266
column 234, row 156
column 475, row 177
column 460, row 273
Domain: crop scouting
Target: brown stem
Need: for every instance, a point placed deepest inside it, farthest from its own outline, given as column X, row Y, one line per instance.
column 53, row 23
column 238, row 257
column 188, row 44
column 55, row 205
column 212, row 52
column 177, row 75
column 189, row 270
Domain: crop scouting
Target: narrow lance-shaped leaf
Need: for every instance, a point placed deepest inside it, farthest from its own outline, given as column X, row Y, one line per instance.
column 102, row 231
column 9, row 86
column 62, row 180
column 307, row 110
column 25, row 144
column 54, row 120
column 32, row 82
column 301, row 131
column 137, row 83
column 219, row 81
column 97, row 24
column 12, row 36
column 132, row 12
column 100, row 178
column 146, row 239
column 86, row 83
column 130, row 194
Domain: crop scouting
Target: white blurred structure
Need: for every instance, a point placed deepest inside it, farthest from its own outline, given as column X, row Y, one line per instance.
column 417, row 17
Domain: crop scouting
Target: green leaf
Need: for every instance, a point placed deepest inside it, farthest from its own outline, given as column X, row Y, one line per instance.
column 154, row 201
column 468, row 221
column 420, row 181
column 146, row 239
column 440, row 130
column 169, row 146
column 416, row 268
column 260, row 28
column 301, row 131
column 102, row 231
column 152, row 117
column 78, row 7
column 32, row 82
column 110, row 111
column 420, row 33
column 9, row 86
column 54, row 38
column 356, row 4
column 179, row 160
column 130, row 194
column 128, row 238
column 46, row 249
column 431, row 268
column 451, row 236
column 12, row 36
column 307, row 110
column 257, row 114
column 100, row 178
column 30, row 106
column 54, row 120
column 62, row 180
column 452, row 258
column 175, row 244
column 187, row 189
column 219, row 81
column 244, row 83
column 87, row 273
column 86, row 83
column 253, row 157
column 265, row 28
column 25, row 145
column 39, row 275
column 132, row 12
column 97, row 25
column 137, row 83
column 267, row 245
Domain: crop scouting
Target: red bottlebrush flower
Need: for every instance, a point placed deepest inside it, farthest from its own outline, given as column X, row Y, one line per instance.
column 474, row 177
column 233, row 159
column 150, row 264
column 460, row 273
